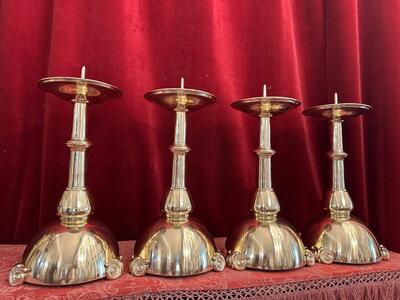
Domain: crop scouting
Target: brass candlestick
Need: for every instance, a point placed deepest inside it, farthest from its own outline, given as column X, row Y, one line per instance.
column 265, row 241
column 350, row 241
column 177, row 245
column 75, row 250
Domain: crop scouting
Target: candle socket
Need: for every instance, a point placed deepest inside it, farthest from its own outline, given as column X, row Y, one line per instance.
column 75, row 250
column 348, row 239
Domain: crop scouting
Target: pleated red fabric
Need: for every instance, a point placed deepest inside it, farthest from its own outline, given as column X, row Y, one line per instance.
column 303, row 49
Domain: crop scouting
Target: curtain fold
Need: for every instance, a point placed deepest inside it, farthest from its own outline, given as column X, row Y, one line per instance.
column 302, row 49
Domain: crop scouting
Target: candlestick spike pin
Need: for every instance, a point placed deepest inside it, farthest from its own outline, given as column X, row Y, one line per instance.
column 176, row 244
column 76, row 250
column 345, row 237
column 83, row 72
column 264, row 241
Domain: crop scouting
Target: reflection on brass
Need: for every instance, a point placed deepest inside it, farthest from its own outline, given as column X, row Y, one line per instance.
column 177, row 245
column 349, row 240
column 265, row 241
column 74, row 250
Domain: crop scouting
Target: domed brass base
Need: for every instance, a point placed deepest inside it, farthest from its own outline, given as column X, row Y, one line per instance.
column 267, row 245
column 350, row 241
column 176, row 249
column 62, row 256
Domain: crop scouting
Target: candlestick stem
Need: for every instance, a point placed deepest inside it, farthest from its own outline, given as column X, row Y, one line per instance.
column 74, row 207
column 178, row 205
column 178, row 169
column 338, row 156
column 264, row 155
column 340, row 203
column 266, row 204
column 78, row 145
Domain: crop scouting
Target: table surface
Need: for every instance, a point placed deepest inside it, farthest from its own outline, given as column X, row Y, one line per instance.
column 231, row 282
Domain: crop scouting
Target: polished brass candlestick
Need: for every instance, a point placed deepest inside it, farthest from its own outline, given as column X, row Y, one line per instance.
column 349, row 240
column 265, row 241
column 177, row 245
column 75, row 250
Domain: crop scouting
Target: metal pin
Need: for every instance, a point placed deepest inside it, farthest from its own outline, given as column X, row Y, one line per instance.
column 182, row 83
column 336, row 99
column 264, row 90
column 83, row 72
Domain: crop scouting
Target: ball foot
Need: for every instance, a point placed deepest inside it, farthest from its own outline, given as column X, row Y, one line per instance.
column 138, row 266
column 237, row 260
column 384, row 252
column 218, row 262
column 18, row 275
column 114, row 268
column 324, row 256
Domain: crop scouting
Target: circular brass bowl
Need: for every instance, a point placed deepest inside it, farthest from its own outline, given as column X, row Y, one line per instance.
column 276, row 105
column 342, row 110
column 59, row 255
column 272, row 246
column 195, row 99
column 67, row 87
column 350, row 241
column 176, row 249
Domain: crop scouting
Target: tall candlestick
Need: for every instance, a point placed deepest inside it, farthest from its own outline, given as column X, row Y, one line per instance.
column 74, row 251
column 177, row 245
column 347, row 239
column 266, row 242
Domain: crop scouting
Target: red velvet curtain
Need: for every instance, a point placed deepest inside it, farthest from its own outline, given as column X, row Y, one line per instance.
column 303, row 49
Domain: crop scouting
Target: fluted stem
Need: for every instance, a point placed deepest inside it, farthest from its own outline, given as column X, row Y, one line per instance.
column 78, row 145
column 75, row 207
column 266, row 205
column 264, row 155
column 179, row 149
column 338, row 156
column 340, row 203
column 177, row 204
